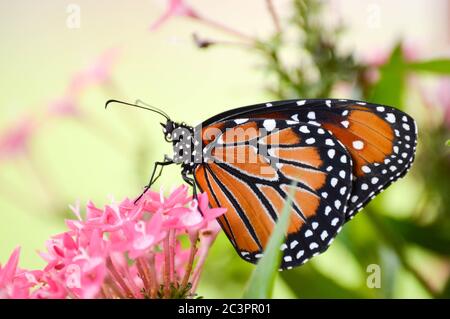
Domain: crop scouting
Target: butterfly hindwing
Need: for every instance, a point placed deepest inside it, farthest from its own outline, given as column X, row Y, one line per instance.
column 248, row 168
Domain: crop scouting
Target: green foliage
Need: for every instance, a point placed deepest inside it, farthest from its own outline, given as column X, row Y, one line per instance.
column 263, row 277
column 317, row 56
column 307, row 282
column 434, row 237
column 438, row 66
column 390, row 88
column 378, row 238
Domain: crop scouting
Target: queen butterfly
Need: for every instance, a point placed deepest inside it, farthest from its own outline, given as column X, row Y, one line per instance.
column 339, row 153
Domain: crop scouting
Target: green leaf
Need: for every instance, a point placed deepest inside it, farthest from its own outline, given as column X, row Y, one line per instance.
column 389, row 89
column 445, row 294
column 438, row 66
column 435, row 237
column 307, row 282
column 260, row 285
column 390, row 265
column 447, row 143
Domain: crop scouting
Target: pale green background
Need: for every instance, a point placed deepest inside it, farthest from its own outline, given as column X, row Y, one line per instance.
column 39, row 54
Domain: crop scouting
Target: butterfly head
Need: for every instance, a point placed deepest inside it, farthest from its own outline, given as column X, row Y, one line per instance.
column 168, row 129
column 174, row 132
column 181, row 137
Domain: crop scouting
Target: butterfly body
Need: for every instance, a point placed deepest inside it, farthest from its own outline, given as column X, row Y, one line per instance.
column 339, row 154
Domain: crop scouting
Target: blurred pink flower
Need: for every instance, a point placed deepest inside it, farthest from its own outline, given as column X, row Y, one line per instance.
column 443, row 99
column 15, row 139
column 96, row 74
column 124, row 250
column 207, row 236
column 175, row 8
column 379, row 57
column 66, row 106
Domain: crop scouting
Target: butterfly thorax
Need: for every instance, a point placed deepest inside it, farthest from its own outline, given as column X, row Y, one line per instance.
column 186, row 147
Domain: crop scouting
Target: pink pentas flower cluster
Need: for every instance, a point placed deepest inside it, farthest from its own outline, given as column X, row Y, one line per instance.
column 154, row 248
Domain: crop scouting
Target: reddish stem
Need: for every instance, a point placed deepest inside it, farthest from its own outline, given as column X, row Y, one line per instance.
column 143, row 271
column 190, row 263
column 153, row 280
column 166, row 270
column 172, row 239
column 116, row 291
column 273, row 14
column 226, row 29
column 118, row 278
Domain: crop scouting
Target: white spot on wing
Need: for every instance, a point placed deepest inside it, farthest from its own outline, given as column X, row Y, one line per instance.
column 358, row 145
column 304, row 129
column 269, row 125
column 331, row 152
column 390, row 118
column 240, row 121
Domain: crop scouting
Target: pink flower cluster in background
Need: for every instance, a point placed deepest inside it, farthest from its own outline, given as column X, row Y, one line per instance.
column 15, row 139
column 154, row 248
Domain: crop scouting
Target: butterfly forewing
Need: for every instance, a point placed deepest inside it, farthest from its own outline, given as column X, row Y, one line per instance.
column 249, row 166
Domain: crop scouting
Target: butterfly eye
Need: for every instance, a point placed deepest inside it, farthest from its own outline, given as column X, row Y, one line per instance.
column 164, row 127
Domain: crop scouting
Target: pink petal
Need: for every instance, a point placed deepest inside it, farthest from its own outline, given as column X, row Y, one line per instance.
column 175, row 8
column 9, row 270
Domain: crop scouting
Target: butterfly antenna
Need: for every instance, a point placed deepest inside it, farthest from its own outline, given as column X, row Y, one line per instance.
column 146, row 107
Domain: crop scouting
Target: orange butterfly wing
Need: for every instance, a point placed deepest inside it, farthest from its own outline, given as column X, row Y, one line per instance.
column 249, row 166
column 380, row 139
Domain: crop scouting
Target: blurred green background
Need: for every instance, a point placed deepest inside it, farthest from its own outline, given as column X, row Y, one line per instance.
column 58, row 144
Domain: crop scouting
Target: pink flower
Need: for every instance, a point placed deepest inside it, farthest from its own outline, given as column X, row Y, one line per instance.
column 66, row 106
column 15, row 139
column 379, row 57
column 175, row 8
column 14, row 283
column 199, row 217
column 123, row 250
column 146, row 234
column 443, row 97
column 96, row 74
column 207, row 236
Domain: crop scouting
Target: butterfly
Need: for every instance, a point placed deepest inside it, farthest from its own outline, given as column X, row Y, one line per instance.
column 333, row 155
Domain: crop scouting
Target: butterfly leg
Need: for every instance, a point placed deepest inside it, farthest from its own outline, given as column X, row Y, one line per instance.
column 153, row 178
column 191, row 182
